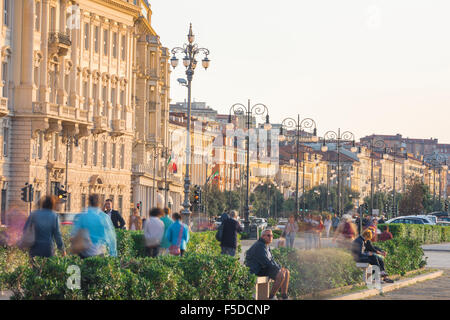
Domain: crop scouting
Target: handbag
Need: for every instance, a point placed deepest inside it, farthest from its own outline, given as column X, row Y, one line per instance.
column 175, row 248
column 28, row 236
column 80, row 242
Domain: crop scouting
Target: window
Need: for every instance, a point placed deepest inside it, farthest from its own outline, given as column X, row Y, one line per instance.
column 94, row 92
column 70, row 153
column 120, row 204
column 104, row 98
column 5, row 141
column 37, row 197
column 122, row 98
column 114, row 45
column 52, row 19
column 5, row 79
column 40, row 142
column 122, row 49
column 83, row 201
column 94, row 153
column 96, row 35
column 6, row 9
column 85, row 152
column 113, row 156
column 113, row 96
column 86, row 36
column 104, row 155
column 85, row 95
column 122, row 156
column 55, row 146
column 37, row 17
column 105, row 42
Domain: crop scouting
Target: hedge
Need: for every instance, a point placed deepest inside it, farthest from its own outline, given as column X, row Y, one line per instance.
column 193, row 277
column 317, row 270
column 425, row 234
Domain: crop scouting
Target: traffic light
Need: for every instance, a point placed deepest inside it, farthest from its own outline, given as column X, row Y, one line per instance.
column 366, row 208
column 446, row 205
column 62, row 194
column 196, row 196
column 30, row 193
column 25, row 193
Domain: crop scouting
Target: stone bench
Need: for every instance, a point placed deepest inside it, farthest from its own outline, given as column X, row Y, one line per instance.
column 262, row 289
column 366, row 269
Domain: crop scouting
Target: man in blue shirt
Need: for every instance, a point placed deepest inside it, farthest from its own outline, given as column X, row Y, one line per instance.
column 98, row 230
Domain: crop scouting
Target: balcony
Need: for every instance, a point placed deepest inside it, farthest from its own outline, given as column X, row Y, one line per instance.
column 100, row 124
column 118, row 127
column 59, row 43
column 4, row 107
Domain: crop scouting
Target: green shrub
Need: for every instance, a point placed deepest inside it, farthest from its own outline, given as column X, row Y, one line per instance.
column 403, row 255
column 425, row 234
column 10, row 259
column 192, row 277
column 317, row 270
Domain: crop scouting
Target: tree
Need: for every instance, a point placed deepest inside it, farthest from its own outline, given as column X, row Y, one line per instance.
column 416, row 200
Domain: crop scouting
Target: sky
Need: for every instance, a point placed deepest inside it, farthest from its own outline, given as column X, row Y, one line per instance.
column 366, row 66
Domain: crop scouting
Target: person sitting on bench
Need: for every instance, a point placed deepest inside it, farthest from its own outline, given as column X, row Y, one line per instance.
column 364, row 252
column 261, row 262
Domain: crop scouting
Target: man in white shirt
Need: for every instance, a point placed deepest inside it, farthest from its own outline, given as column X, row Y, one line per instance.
column 154, row 232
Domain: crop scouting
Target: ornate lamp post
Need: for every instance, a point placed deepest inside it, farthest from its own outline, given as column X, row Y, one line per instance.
column 238, row 109
column 190, row 51
column 373, row 145
column 338, row 138
column 296, row 126
column 396, row 152
column 438, row 162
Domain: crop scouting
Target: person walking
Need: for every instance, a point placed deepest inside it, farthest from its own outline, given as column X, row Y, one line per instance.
column 260, row 260
column 335, row 222
column 154, row 232
column 135, row 220
column 386, row 234
column 45, row 223
column 231, row 227
column 178, row 234
column 318, row 232
column 93, row 233
column 290, row 231
column 115, row 216
column 327, row 225
column 309, row 226
column 345, row 232
column 165, row 244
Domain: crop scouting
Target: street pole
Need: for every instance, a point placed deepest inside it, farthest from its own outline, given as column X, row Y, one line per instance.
column 190, row 50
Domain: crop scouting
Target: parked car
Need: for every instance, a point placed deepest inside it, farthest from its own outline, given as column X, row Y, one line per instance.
column 261, row 223
column 440, row 214
column 67, row 218
column 444, row 219
column 281, row 225
column 411, row 220
column 443, row 223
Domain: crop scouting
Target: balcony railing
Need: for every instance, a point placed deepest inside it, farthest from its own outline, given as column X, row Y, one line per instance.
column 118, row 127
column 100, row 124
column 59, row 43
column 3, row 107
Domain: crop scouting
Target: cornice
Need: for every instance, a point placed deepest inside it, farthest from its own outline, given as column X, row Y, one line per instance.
column 122, row 6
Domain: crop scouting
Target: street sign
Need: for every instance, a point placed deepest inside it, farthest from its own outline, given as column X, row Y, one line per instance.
column 375, row 212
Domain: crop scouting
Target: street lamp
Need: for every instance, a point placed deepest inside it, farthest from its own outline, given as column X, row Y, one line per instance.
column 190, row 51
column 338, row 138
column 290, row 125
column 436, row 161
column 395, row 152
column 238, row 109
column 373, row 145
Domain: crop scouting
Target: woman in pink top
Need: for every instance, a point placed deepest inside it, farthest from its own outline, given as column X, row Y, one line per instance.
column 290, row 232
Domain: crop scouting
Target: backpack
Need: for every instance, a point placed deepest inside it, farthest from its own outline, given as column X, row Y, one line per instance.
column 219, row 233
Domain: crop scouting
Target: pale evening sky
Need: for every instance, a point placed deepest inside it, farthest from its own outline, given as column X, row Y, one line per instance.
column 368, row 66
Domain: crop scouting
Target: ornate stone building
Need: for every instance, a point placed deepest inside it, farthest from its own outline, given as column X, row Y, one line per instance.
column 74, row 81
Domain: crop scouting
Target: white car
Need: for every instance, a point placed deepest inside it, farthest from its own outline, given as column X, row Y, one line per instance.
column 260, row 222
column 412, row 220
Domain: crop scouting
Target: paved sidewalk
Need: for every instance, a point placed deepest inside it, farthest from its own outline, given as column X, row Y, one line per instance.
column 435, row 289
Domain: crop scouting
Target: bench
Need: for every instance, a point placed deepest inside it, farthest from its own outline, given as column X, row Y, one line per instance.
column 367, row 270
column 262, row 288
column 370, row 278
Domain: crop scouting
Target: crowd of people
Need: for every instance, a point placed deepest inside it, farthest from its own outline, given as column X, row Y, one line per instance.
column 94, row 230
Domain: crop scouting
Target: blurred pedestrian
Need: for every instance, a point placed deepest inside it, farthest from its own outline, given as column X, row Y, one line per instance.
column 345, row 232
column 135, row 220
column 45, row 225
column 93, row 233
column 318, row 232
column 115, row 216
column 290, row 232
column 335, row 222
column 327, row 224
column 309, row 226
column 165, row 244
column 386, row 234
column 178, row 236
column 154, row 232
column 231, row 227
column 382, row 220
